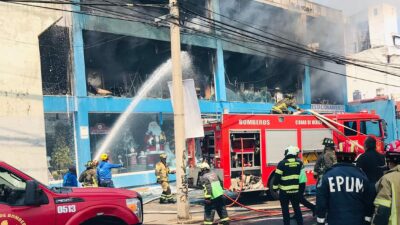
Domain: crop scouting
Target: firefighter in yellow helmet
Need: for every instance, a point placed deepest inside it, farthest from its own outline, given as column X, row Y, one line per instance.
column 213, row 196
column 104, row 171
column 387, row 207
column 162, row 170
column 282, row 106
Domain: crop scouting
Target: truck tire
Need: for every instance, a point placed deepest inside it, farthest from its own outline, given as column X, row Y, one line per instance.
column 273, row 195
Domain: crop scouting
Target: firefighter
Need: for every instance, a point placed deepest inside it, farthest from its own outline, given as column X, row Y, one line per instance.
column 88, row 178
column 287, row 180
column 344, row 195
column 281, row 107
column 371, row 162
column 326, row 160
column 104, row 171
column 162, row 170
column 387, row 207
column 213, row 196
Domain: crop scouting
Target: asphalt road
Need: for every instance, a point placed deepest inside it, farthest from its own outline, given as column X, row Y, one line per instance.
column 308, row 220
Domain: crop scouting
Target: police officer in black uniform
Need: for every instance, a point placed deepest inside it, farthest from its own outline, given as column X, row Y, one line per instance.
column 344, row 195
column 287, row 181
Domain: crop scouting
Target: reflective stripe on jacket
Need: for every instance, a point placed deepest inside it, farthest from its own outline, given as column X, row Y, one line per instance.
column 212, row 185
column 388, row 194
column 287, row 175
column 283, row 105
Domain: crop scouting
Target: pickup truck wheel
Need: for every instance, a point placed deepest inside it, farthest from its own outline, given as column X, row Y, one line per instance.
column 273, row 195
column 104, row 220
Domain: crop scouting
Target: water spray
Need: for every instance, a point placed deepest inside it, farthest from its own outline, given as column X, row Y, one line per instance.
column 161, row 72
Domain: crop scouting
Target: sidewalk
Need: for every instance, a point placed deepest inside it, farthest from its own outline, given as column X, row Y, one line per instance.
column 159, row 214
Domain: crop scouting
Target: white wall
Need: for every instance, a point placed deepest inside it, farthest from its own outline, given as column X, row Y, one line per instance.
column 22, row 136
column 382, row 24
column 368, row 89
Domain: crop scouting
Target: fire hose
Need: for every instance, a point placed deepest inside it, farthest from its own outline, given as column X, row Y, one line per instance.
column 241, row 177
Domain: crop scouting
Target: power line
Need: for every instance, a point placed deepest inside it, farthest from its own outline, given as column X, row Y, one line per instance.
column 217, row 37
column 86, row 4
column 337, row 58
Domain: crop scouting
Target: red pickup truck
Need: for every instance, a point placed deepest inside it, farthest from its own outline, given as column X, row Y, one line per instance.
column 25, row 201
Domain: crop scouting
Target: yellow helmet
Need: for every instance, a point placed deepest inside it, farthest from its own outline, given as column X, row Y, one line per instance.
column 104, row 156
column 163, row 156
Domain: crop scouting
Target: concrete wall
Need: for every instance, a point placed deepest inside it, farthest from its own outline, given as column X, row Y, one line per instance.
column 357, row 76
column 382, row 24
column 22, row 136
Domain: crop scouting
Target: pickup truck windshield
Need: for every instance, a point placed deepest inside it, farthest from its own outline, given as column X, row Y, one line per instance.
column 9, row 179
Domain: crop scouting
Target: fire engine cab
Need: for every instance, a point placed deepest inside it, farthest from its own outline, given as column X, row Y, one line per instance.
column 252, row 145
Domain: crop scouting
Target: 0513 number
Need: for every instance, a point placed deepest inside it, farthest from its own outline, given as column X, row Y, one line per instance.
column 66, row 209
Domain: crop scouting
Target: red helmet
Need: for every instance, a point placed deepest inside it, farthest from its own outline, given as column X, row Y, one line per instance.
column 348, row 146
column 347, row 151
column 393, row 151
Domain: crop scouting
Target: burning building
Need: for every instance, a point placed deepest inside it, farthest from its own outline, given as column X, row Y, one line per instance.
column 91, row 69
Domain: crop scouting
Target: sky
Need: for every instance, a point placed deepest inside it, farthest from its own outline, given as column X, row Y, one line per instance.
column 350, row 7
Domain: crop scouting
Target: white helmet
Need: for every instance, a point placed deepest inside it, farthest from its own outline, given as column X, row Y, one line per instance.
column 292, row 150
column 204, row 166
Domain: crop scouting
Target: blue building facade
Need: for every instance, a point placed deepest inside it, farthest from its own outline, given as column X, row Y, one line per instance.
column 230, row 78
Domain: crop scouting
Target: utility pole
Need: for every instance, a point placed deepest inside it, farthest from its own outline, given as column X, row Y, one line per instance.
column 179, row 126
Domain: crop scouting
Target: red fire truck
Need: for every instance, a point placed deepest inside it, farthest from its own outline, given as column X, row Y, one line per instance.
column 252, row 145
column 25, row 201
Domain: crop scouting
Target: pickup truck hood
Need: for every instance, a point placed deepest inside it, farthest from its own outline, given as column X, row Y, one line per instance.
column 103, row 193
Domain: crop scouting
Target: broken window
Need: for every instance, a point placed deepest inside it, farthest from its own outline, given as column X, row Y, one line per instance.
column 54, row 46
column 138, row 143
column 119, row 65
column 252, row 78
column 60, row 144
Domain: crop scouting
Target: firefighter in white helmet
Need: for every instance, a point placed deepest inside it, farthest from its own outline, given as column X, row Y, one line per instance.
column 287, row 181
column 213, row 196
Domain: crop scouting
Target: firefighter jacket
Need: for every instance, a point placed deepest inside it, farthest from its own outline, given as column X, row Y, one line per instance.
column 283, row 105
column 324, row 162
column 162, row 172
column 344, row 196
column 287, row 175
column 88, row 178
column 212, row 185
column 373, row 164
column 387, row 205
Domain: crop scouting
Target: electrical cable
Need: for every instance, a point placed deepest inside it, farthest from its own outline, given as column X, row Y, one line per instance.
column 274, row 35
column 229, row 41
column 296, row 49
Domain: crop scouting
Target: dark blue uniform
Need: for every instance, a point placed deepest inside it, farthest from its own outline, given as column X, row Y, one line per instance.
column 344, row 196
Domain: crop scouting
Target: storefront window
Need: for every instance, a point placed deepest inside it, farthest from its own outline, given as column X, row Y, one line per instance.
column 59, row 144
column 138, row 143
column 118, row 65
column 252, row 78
